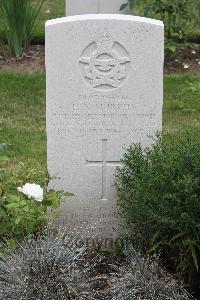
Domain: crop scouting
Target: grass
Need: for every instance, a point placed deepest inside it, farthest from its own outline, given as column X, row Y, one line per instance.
column 22, row 128
column 51, row 9
column 22, row 118
column 181, row 103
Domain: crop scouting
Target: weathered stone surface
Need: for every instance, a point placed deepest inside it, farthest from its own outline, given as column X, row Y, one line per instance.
column 104, row 92
column 81, row 7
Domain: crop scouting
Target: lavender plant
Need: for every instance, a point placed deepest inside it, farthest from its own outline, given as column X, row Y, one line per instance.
column 144, row 279
column 47, row 267
column 54, row 266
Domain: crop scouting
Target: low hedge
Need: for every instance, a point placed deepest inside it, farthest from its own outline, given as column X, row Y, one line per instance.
column 159, row 195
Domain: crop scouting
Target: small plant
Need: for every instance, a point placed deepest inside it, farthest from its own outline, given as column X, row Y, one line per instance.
column 25, row 208
column 159, row 195
column 47, row 267
column 144, row 279
column 26, row 212
column 19, row 17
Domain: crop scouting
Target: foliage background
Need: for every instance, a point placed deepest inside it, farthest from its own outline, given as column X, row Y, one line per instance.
column 181, row 17
column 56, row 8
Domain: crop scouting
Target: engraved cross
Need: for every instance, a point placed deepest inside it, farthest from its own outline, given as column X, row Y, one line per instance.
column 104, row 163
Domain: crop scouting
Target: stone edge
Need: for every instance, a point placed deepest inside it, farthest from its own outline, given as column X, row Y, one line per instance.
column 103, row 17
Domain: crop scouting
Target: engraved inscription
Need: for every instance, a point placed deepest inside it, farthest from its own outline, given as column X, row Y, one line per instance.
column 105, row 63
column 104, row 119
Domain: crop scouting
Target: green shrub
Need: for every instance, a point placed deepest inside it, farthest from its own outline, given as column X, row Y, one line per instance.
column 19, row 17
column 174, row 14
column 159, row 195
column 177, row 15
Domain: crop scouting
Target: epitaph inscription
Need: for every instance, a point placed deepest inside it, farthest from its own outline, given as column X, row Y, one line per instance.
column 104, row 63
column 104, row 92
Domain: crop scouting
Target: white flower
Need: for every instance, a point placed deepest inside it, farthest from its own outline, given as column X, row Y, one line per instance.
column 186, row 66
column 193, row 52
column 32, row 190
column 48, row 11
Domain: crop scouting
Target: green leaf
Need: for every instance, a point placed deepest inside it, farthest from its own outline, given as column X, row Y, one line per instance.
column 42, row 218
column 154, row 247
column 4, row 158
column 177, row 236
column 13, row 198
column 23, row 203
column 146, row 11
column 18, row 220
column 12, row 205
column 155, row 236
column 123, row 6
column 26, row 209
column 30, row 227
column 194, row 256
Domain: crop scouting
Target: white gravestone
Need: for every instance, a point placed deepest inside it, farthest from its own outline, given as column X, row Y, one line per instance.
column 104, row 92
column 81, row 7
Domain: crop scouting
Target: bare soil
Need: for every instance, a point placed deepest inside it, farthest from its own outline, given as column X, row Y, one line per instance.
column 186, row 60
column 33, row 61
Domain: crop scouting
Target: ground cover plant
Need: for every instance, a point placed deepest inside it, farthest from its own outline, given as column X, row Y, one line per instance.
column 159, row 195
column 143, row 278
column 49, row 267
column 59, row 266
